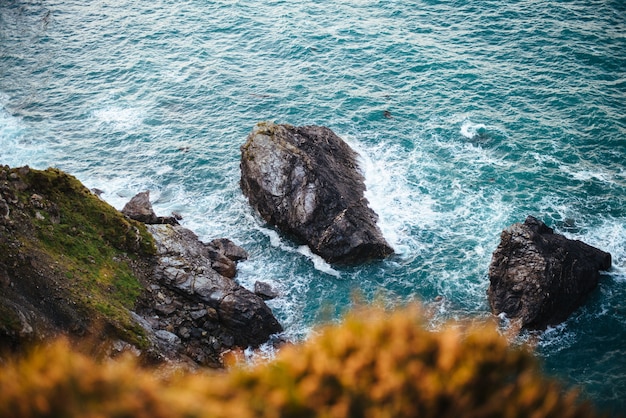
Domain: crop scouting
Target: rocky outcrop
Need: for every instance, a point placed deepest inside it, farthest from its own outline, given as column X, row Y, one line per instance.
column 72, row 264
column 265, row 291
column 305, row 181
column 64, row 260
column 192, row 306
column 538, row 278
column 197, row 301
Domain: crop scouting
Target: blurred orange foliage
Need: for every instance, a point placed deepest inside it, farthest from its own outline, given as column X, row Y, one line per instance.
column 374, row 364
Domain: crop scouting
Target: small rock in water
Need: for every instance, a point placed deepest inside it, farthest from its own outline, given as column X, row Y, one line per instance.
column 265, row 291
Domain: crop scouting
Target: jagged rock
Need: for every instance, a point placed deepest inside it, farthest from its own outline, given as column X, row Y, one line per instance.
column 185, row 266
column 538, row 278
column 168, row 337
column 305, row 181
column 4, row 209
column 140, row 209
column 229, row 249
column 265, row 291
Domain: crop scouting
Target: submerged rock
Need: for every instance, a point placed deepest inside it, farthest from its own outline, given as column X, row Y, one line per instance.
column 305, row 181
column 539, row 278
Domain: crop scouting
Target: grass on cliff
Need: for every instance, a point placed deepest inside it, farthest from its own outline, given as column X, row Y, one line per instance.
column 374, row 364
column 89, row 243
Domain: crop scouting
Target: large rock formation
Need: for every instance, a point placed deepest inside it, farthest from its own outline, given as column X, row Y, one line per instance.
column 71, row 264
column 538, row 278
column 305, row 181
column 192, row 307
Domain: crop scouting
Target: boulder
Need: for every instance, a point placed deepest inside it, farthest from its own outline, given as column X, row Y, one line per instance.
column 139, row 208
column 265, row 291
column 538, row 278
column 305, row 181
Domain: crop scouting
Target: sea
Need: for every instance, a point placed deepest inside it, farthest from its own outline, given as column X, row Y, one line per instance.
column 468, row 116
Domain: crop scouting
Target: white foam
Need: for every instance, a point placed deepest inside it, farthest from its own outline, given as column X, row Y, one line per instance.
column 609, row 237
column 163, row 169
column 15, row 149
column 318, row 262
column 557, row 338
column 10, row 126
column 121, row 118
column 470, row 129
column 399, row 205
column 585, row 173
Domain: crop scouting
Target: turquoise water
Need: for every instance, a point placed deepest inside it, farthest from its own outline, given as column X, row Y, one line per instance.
column 496, row 110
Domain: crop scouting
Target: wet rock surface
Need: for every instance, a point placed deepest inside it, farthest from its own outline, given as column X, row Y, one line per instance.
column 538, row 278
column 139, row 208
column 305, row 181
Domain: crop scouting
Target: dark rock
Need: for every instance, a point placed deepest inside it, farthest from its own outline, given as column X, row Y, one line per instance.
column 538, row 277
column 265, row 291
column 97, row 192
column 185, row 267
column 139, row 208
column 168, row 337
column 229, row 249
column 5, row 211
column 222, row 264
column 23, row 171
column 305, row 181
column 200, row 313
column 165, row 309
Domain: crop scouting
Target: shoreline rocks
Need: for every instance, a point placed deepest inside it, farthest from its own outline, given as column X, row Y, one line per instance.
column 194, row 307
column 538, row 278
column 139, row 208
column 71, row 264
column 185, row 267
column 305, row 181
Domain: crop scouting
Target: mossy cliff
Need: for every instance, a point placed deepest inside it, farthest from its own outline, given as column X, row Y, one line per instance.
column 68, row 260
column 72, row 264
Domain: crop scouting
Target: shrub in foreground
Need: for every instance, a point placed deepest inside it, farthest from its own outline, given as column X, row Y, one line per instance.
column 374, row 364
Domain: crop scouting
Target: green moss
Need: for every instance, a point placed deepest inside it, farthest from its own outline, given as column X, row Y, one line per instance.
column 91, row 243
